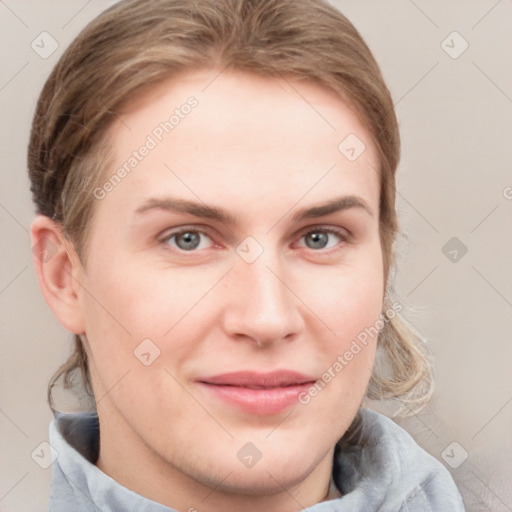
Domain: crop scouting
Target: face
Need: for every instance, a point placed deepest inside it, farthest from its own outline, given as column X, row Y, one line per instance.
column 230, row 267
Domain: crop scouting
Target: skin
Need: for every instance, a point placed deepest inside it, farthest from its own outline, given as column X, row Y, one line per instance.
column 262, row 150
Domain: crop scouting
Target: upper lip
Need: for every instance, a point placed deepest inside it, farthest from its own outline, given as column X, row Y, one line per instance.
column 274, row 379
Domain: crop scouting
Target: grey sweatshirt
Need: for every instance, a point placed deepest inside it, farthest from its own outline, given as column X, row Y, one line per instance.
column 379, row 469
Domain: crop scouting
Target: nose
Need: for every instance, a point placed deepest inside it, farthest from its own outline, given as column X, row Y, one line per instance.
column 261, row 306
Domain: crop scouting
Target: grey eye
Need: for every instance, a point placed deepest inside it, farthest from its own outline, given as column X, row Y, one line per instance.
column 316, row 239
column 188, row 240
column 325, row 238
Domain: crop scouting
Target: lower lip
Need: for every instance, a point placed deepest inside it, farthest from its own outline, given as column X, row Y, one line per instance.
column 258, row 401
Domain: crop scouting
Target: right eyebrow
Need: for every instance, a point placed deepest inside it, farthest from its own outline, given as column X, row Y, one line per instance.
column 185, row 206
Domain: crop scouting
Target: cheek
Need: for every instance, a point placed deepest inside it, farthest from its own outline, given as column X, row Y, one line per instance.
column 347, row 297
column 348, row 300
column 126, row 305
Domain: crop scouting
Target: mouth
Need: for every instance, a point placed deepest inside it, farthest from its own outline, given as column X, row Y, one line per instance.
column 258, row 393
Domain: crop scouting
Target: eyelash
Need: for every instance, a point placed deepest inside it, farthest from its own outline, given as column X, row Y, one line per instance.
column 343, row 236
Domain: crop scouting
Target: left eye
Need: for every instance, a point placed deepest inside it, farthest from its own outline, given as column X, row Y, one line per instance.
column 188, row 240
column 322, row 238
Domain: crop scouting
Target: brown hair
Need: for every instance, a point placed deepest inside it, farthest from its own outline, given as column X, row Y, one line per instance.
column 136, row 44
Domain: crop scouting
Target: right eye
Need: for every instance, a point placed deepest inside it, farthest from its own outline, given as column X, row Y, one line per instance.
column 187, row 240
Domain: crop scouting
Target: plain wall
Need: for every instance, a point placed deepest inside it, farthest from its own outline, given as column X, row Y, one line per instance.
column 455, row 180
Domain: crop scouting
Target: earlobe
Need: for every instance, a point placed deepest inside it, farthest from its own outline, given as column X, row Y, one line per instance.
column 57, row 268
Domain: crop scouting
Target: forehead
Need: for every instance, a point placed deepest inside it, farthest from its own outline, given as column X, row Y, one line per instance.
column 205, row 135
column 245, row 101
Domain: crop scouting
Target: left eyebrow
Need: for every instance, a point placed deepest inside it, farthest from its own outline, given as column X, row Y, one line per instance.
column 334, row 205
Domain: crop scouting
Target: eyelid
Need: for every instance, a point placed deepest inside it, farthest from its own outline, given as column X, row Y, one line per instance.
column 345, row 233
column 183, row 228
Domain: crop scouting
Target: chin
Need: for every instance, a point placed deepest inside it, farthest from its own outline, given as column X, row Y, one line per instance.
column 277, row 469
column 265, row 481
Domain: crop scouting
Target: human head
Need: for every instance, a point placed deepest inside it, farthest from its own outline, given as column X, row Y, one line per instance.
column 95, row 76
column 135, row 47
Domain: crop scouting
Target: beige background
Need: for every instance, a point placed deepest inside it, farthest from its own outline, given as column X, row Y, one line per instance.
column 455, row 180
